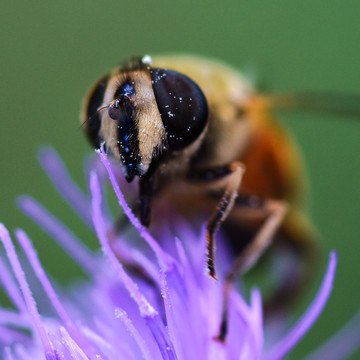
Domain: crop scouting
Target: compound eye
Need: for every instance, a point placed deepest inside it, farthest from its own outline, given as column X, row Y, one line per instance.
column 182, row 105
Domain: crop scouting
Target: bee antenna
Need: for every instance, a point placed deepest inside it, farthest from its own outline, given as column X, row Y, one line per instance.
column 95, row 113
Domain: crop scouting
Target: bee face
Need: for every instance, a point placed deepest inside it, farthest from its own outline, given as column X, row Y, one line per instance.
column 148, row 113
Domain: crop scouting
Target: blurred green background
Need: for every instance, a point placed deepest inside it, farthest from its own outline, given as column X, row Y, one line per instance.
column 52, row 52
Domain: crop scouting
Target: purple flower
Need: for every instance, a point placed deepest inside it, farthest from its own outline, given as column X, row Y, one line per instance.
column 169, row 308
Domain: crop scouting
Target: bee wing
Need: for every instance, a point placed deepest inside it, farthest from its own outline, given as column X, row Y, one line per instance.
column 332, row 103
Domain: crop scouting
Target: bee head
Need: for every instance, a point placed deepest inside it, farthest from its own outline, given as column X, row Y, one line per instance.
column 148, row 113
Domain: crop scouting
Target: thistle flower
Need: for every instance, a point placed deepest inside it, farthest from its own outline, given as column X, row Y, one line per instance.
column 169, row 309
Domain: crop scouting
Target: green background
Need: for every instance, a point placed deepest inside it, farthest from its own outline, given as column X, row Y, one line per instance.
column 51, row 52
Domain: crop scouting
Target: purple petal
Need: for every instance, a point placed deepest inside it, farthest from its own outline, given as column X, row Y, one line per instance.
column 146, row 310
column 10, row 287
column 163, row 259
column 49, row 290
column 252, row 338
column 342, row 344
column 63, row 235
column 179, row 310
column 57, row 172
column 25, row 289
column 280, row 350
column 256, row 321
column 8, row 354
column 122, row 315
column 74, row 349
column 14, row 318
column 9, row 336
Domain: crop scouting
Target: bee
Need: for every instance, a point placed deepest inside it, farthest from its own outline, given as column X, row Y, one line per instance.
column 197, row 135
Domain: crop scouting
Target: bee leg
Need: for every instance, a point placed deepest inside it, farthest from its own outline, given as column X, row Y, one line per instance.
column 143, row 207
column 146, row 193
column 301, row 253
column 123, row 252
column 233, row 172
column 122, row 224
column 276, row 211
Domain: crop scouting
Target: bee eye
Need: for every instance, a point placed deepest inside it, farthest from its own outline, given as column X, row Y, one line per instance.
column 182, row 105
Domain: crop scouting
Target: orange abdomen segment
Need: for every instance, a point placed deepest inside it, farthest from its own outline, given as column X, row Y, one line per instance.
column 273, row 165
column 274, row 170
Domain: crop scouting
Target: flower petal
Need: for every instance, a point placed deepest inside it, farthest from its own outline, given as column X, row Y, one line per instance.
column 147, row 311
column 10, row 287
column 49, row 290
column 162, row 257
column 24, row 286
column 280, row 350
column 342, row 344
column 63, row 183
column 59, row 231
